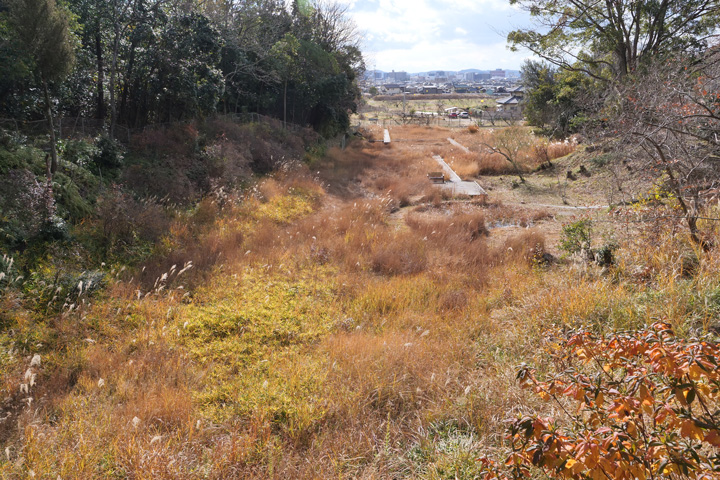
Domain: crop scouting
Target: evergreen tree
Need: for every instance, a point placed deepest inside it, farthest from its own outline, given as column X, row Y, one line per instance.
column 42, row 29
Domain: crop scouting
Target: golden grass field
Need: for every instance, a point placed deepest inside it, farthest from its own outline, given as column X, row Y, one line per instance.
column 352, row 323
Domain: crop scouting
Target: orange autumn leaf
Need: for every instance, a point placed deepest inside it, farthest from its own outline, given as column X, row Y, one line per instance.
column 688, row 429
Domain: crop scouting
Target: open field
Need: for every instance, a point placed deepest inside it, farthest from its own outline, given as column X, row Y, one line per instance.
column 353, row 323
column 387, row 110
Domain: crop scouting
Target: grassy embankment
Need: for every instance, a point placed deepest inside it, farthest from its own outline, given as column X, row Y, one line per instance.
column 352, row 323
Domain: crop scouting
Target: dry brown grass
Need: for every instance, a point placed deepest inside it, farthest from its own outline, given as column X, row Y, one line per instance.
column 494, row 164
column 465, row 226
column 538, row 151
column 560, row 149
column 326, row 336
column 466, row 165
column 399, row 254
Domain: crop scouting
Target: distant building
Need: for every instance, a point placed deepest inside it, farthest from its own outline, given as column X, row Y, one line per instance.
column 397, row 76
column 463, row 88
column 511, row 104
column 429, row 89
column 392, row 88
column 476, row 77
column 498, row 73
column 518, row 92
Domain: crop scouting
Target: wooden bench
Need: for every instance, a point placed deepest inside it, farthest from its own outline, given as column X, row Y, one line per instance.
column 436, row 177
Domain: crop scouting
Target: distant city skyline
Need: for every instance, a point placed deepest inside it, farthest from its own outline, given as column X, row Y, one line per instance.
column 435, row 70
column 422, row 35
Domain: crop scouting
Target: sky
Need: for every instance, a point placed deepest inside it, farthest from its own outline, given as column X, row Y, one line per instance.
column 424, row 35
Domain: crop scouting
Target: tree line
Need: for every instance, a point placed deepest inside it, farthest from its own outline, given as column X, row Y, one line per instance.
column 137, row 62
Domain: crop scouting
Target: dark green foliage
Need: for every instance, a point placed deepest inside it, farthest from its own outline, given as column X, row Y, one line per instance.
column 157, row 62
column 78, row 152
column 108, row 155
column 15, row 68
column 553, row 98
column 44, row 36
column 540, row 92
column 605, row 255
column 21, row 158
column 576, row 236
column 613, row 39
column 174, row 64
column 178, row 78
column 70, row 202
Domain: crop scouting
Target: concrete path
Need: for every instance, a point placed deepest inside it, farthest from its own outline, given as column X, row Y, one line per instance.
column 454, row 177
column 567, row 207
column 461, row 147
column 455, row 184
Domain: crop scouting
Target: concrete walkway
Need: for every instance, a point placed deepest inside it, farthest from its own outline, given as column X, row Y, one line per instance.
column 568, row 207
column 454, row 177
column 455, row 184
column 461, row 147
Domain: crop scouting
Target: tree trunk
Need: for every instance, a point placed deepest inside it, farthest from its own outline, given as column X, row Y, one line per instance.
column 126, row 84
column 285, row 106
column 48, row 114
column 690, row 215
column 101, row 111
column 113, row 78
column 50, row 160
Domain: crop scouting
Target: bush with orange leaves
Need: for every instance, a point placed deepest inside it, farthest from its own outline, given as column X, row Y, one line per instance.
column 637, row 405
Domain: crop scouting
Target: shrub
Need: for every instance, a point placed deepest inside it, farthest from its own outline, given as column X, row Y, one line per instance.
column 175, row 140
column 636, row 404
column 23, row 208
column 165, row 178
column 528, row 246
column 108, row 155
column 27, row 158
column 576, row 236
column 78, row 152
column 124, row 226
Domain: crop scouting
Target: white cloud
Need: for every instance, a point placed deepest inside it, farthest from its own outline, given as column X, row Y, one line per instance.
column 400, row 21
column 476, row 6
column 420, row 35
column 447, row 55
